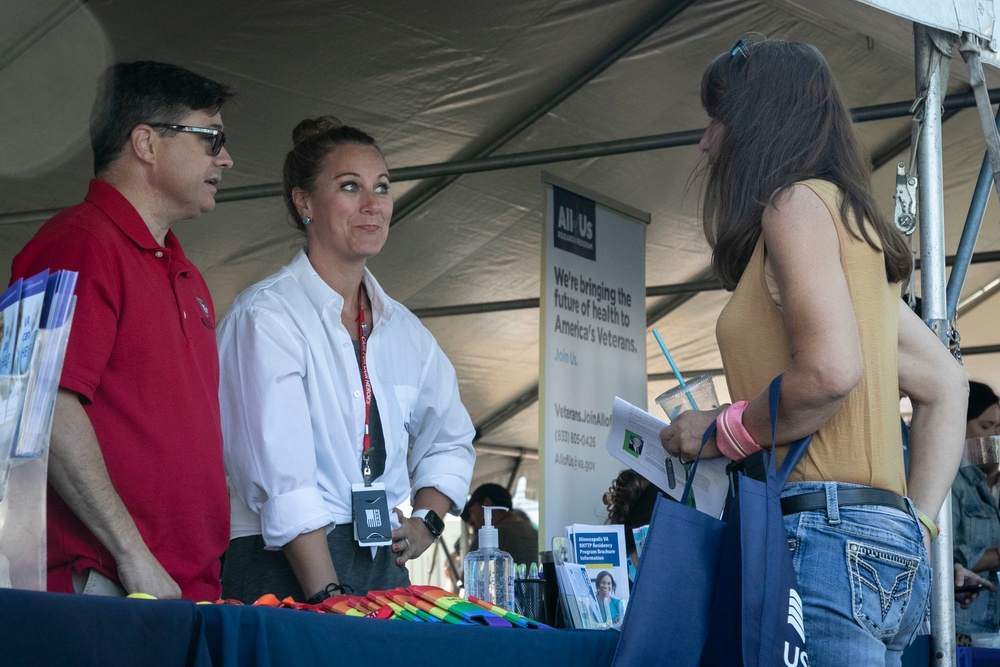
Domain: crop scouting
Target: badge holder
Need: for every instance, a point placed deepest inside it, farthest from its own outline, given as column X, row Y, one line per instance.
column 372, row 527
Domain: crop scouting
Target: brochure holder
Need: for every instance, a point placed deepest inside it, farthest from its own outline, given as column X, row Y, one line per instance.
column 27, row 403
column 578, row 606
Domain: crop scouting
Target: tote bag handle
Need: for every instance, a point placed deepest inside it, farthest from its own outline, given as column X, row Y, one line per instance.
column 796, row 450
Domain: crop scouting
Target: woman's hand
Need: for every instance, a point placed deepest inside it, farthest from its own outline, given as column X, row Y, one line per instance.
column 682, row 437
column 411, row 538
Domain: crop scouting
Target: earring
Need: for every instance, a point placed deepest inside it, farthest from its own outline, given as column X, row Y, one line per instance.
column 306, row 220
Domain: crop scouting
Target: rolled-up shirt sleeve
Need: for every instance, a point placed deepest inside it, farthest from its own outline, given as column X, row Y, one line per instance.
column 267, row 431
column 440, row 431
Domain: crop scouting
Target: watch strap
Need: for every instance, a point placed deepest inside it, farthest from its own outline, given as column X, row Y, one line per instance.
column 431, row 519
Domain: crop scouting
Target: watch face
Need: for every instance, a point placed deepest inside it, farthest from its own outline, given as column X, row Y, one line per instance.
column 434, row 523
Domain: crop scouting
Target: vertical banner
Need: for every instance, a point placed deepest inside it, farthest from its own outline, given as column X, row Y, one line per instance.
column 593, row 327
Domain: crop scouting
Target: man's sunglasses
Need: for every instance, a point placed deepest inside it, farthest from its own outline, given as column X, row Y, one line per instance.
column 218, row 137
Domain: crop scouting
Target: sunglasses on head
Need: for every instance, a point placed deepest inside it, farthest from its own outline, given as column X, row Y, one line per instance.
column 217, row 137
column 741, row 49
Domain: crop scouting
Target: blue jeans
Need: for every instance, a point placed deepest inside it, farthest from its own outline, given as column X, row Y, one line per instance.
column 863, row 577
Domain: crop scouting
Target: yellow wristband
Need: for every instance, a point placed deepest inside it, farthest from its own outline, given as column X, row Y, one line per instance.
column 929, row 524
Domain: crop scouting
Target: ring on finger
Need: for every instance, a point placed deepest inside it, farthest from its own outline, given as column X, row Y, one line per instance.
column 407, row 540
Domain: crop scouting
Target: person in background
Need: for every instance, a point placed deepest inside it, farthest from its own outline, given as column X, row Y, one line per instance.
column 815, row 270
column 515, row 533
column 327, row 383
column 630, row 500
column 137, row 501
column 976, row 519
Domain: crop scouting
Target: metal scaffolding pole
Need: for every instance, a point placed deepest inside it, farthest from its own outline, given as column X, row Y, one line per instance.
column 970, row 232
column 455, row 168
column 931, row 78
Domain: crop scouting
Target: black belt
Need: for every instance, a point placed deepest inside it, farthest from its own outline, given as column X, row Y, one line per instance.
column 816, row 500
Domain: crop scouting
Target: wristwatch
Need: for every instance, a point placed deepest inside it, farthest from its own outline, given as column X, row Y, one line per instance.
column 431, row 520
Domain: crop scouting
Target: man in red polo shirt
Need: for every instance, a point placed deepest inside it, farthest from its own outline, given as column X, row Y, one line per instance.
column 137, row 497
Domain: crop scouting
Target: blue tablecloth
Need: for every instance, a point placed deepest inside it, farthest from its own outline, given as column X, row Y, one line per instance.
column 969, row 656
column 52, row 629
column 57, row 629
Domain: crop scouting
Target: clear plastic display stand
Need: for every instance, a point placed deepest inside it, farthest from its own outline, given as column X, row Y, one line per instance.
column 26, row 405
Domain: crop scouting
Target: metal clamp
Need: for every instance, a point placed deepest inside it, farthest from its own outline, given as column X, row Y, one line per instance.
column 905, row 215
column 955, row 342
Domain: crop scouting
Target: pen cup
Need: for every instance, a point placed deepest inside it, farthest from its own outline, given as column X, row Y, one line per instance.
column 528, row 599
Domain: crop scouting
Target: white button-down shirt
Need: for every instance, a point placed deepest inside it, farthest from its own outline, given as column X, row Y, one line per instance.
column 293, row 409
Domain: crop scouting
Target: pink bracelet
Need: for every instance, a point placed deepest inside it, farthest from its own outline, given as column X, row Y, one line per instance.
column 732, row 438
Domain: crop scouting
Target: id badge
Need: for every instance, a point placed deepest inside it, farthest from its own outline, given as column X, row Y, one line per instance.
column 372, row 527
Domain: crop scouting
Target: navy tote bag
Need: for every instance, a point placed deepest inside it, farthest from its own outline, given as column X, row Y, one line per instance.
column 719, row 592
column 666, row 620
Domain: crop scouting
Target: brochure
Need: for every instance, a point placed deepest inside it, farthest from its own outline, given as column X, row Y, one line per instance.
column 34, row 327
column 32, row 300
column 10, row 304
column 578, row 596
column 634, row 440
column 58, row 298
column 601, row 550
column 50, row 332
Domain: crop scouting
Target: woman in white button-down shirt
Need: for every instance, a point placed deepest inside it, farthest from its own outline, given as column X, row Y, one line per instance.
column 293, row 400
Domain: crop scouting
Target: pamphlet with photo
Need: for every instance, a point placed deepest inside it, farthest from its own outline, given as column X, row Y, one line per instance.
column 634, row 440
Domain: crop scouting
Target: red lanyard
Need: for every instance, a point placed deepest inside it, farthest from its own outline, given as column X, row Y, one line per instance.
column 366, row 468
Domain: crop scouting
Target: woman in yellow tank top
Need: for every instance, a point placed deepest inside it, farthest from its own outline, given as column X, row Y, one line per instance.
column 815, row 271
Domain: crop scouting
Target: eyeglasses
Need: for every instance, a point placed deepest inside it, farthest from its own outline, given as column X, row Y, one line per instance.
column 217, row 137
column 741, row 48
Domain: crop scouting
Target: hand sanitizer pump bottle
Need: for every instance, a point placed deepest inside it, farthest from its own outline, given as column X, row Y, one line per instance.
column 489, row 572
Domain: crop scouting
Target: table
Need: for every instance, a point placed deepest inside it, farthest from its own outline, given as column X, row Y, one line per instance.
column 970, row 656
column 54, row 628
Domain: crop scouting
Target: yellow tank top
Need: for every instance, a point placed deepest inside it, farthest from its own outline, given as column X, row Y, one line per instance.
column 862, row 443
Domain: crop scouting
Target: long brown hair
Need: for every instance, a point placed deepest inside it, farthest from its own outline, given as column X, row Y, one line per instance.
column 783, row 120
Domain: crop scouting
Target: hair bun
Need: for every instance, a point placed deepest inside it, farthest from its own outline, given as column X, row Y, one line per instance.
column 310, row 127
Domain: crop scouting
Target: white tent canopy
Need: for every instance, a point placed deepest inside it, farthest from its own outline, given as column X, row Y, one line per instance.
column 440, row 81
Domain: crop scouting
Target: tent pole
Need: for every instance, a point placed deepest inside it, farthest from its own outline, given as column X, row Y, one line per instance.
column 970, row 232
column 39, row 31
column 931, row 77
column 663, row 13
column 547, row 156
column 703, row 282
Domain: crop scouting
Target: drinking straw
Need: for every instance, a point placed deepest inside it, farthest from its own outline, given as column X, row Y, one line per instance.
column 673, row 367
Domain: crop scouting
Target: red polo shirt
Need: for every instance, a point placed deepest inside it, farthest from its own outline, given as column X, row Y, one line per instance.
column 142, row 356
